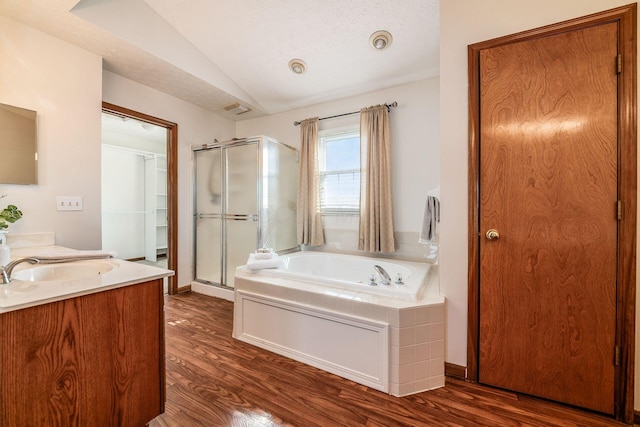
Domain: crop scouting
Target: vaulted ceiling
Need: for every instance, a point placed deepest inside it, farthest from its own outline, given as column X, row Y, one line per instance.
column 215, row 53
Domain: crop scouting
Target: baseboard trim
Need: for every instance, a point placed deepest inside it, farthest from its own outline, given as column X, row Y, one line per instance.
column 186, row 288
column 212, row 291
column 455, row 371
column 636, row 417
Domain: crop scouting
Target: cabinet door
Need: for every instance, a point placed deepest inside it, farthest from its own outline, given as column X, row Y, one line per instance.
column 95, row 360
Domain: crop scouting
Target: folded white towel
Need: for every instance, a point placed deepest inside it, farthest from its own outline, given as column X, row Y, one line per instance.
column 264, row 253
column 75, row 255
column 258, row 264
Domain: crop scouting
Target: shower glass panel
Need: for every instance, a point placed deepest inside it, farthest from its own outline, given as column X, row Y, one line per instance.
column 209, row 181
column 241, row 241
column 279, row 189
column 242, row 180
column 241, row 206
column 245, row 198
column 209, row 247
column 208, row 226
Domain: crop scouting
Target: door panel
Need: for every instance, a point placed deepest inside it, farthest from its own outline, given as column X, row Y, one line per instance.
column 208, row 221
column 208, row 265
column 208, row 165
column 548, row 185
column 242, row 236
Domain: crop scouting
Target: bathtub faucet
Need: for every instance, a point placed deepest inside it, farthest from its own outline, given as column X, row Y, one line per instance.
column 384, row 276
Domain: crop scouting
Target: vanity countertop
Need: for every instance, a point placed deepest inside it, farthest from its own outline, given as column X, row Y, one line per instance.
column 22, row 294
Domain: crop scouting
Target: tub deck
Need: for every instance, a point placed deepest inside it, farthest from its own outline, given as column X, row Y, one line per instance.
column 351, row 272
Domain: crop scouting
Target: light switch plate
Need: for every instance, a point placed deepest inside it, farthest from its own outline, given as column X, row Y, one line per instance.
column 69, row 203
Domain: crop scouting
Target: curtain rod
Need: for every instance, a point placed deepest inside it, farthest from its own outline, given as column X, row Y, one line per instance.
column 393, row 104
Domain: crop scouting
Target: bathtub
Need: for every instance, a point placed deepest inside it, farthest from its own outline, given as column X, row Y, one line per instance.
column 319, row 309
column 353, row 273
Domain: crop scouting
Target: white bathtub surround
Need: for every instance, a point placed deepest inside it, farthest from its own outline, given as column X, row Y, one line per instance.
column 408, row 247
column 390, row 344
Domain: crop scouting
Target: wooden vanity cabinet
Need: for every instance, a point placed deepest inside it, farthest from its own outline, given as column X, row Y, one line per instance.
column 93, row 360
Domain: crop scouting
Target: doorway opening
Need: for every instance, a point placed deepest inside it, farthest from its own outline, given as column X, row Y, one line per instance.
column 139, row 180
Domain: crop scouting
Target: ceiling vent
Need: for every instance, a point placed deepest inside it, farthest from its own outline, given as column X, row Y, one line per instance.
column 236, row 109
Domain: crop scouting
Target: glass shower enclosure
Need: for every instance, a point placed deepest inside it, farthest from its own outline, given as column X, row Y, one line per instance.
column 245, row 198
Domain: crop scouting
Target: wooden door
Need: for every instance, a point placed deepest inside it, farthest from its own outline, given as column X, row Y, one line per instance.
column 548, row 186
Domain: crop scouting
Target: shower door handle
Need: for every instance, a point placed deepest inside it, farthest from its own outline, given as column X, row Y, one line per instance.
column 236, row 217
column 208, row 216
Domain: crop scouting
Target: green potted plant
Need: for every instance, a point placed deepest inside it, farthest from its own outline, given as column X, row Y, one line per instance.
column 9, row 215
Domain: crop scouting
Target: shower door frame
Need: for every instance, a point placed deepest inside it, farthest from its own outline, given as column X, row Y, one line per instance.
column 256, row 217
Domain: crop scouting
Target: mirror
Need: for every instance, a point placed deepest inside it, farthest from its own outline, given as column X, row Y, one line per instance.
column 18, row 145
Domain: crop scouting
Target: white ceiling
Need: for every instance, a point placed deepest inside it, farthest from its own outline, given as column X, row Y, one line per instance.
column 218, row 52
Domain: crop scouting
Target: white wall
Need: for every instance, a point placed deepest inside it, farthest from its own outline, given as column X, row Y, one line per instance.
column 464, row 22
column 196, row 126
column 415, row 150
column 123, row 202
column 126, row 155
column 64, row 85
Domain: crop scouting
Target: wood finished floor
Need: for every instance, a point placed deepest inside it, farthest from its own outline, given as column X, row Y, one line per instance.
column 215, row 380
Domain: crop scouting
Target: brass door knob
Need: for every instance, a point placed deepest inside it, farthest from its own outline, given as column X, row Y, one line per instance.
column 492, row 234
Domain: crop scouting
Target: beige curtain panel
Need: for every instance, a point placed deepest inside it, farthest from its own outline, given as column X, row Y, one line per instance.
column 376, row 216
column 309, row 218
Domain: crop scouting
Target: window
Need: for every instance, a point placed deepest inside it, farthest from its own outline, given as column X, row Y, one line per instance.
column 339, row 171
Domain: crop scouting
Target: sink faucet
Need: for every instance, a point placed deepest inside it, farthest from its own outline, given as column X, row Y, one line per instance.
column 384, row 276
column 5, row 271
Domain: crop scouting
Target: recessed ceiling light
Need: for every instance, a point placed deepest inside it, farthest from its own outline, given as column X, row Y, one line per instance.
column 380, row 40
column 298, row 66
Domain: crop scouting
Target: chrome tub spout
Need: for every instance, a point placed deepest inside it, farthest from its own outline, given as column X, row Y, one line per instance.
column 384, row 276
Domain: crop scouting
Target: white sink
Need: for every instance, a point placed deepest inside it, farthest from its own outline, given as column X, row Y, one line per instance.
column 65, row 272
